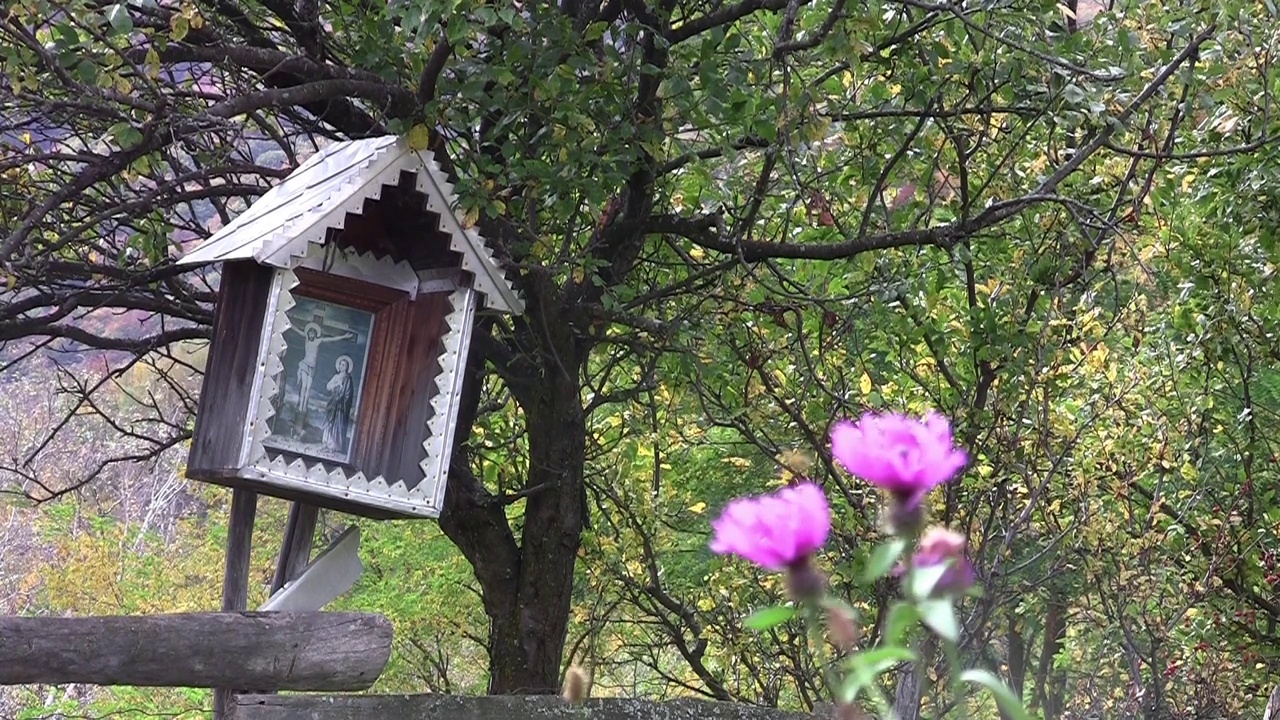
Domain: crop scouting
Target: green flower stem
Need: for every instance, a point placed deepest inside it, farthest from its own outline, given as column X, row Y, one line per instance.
column 954, row 671
column 812, row 610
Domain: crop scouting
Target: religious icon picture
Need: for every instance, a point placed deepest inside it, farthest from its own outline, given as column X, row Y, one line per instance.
column 325, row 360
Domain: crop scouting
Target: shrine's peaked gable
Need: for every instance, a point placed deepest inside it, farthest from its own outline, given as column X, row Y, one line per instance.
column 279, row 227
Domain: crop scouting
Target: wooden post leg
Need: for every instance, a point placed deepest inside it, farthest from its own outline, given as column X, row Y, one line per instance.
column 235, row 580
column 299, row 536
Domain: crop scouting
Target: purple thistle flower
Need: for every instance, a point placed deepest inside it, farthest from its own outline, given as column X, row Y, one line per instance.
column 904, row 456
column 775, row 531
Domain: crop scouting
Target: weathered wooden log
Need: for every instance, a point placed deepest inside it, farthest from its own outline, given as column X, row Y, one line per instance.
column 258, row 651
column 454, row 707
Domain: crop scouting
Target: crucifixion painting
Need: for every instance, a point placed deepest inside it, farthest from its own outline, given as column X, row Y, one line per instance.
column 326, row 349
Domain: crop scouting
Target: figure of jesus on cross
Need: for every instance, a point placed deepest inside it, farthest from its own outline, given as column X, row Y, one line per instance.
column 307, row 368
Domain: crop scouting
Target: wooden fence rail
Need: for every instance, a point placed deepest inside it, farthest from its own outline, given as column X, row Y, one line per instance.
column 455, row 707
column 258, row 651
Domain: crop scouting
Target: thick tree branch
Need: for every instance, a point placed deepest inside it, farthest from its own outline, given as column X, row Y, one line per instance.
column 308, row 93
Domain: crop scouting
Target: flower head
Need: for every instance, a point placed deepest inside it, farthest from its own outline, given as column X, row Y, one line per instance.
column 938, row 546
column 777, row 530
column 905, row 456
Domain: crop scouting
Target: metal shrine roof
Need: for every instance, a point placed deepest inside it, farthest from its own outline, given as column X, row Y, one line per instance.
column 276, row 229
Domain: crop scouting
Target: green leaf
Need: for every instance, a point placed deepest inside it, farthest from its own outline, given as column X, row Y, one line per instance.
column 923, row 580
column 940, row 616
column 766, row 618
column 118, row 16
column 595, row 31
column 902, row 616
column 882, row 560
column 1073, row 94
column 1005, row 698
column 126, row 136
column 179, row 27
column 868, row 665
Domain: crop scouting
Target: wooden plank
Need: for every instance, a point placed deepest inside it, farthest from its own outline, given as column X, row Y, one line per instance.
column 231, row 367
column 398, row 392
column 377, row 403
column 454, row 707
column 299, row 536
column 418, row 358
column 262, row 651
column 235, row 578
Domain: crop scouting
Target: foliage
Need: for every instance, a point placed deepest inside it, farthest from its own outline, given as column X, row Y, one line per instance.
column 732, row 221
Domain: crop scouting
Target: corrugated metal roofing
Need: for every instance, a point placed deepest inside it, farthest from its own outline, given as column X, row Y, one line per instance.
column 277, row 228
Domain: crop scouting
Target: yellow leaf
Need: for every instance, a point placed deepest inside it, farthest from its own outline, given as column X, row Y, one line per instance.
column 698, row 508
column 865, row 383
column 179, row 27
column 419, row 137
column 796, row 460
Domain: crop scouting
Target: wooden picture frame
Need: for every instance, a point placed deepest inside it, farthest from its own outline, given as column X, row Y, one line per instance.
column 394, row 410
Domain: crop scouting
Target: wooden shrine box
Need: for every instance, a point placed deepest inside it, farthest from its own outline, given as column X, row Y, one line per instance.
column 343, row 320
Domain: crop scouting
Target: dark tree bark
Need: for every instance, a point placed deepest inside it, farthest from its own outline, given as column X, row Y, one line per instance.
column 527, row 585
column 1050, row 686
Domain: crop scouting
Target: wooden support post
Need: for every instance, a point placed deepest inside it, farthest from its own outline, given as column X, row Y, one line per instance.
column 299, row 536
column 235, row 579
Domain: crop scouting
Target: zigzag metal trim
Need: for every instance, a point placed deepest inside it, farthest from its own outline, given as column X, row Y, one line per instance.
column 490, row 278
column 362, row 266
column 332, row 479
column 314, row 233
column 273, row 366
column 438, row 446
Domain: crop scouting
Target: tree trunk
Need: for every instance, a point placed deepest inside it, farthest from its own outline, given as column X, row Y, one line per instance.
column 528, row 659
column 1017, row 661
column 911, row 683
column 1050, row 685
column 906, row 700
column 527, row 587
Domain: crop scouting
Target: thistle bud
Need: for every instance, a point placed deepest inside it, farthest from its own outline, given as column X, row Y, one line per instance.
column 577, row 685
column 844, row 632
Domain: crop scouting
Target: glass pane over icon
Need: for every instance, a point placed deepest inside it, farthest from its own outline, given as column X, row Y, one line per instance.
column 325, row 361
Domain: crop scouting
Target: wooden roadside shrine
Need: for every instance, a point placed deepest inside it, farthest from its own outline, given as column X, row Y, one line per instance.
column 345, row 306
column 344, row 318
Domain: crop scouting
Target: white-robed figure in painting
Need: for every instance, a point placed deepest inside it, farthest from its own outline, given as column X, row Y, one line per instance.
column 337, row 412
column 307, row 366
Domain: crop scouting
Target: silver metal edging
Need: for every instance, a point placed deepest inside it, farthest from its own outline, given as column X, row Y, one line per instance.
column 264, row 350
column 357, row 497
column 459, row 359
